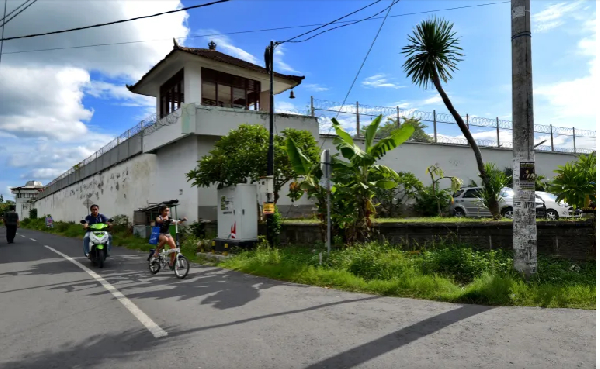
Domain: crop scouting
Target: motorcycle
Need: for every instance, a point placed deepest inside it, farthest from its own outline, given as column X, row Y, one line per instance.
column 98, row 242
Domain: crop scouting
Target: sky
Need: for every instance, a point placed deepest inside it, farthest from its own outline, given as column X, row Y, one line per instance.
column 58, row 107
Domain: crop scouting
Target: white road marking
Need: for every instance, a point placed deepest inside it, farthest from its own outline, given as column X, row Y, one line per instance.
column 21, row 235
column 32, row 239
column 133, row 309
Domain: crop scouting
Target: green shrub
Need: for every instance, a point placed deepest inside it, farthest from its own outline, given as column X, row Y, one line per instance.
column 33, row 213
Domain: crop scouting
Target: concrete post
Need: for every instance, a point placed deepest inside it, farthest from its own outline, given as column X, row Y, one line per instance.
column 551, row 138
column 468, row 121
column 357, row 120
column 434, row 127
column 498, row 131
column 574, row 147
column 398, row 117
column 312, row 107
column 524, row 222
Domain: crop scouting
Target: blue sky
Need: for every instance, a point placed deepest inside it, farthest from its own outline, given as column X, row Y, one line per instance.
column 97, row 107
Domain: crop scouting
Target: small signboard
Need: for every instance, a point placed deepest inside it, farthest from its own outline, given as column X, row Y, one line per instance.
column 49, row 223
column 527, row 175
column 268, row 208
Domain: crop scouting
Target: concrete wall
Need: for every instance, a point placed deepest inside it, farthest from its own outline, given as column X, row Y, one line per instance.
column 455, row 160
column 119, row 190
column 172, row 164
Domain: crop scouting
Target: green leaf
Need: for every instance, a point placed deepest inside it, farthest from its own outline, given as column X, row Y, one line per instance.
column 299, row 162
column 343, row 135
column 396, row 138
column 386, row 185
column 370, row 132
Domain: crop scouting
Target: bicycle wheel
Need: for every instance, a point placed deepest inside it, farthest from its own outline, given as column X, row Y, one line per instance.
column 182, row 267
column 154, row 266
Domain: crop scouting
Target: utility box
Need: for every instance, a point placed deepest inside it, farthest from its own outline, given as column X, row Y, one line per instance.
column 237, row 217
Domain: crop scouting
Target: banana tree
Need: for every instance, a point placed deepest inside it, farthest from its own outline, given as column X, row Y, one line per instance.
column 358, row 176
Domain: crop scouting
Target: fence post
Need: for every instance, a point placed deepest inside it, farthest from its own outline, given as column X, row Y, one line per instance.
column 434, row 127
column 468, row 122
column 398, row 116
column 498, row 131
column 357, row 121
column 312, row 107
column 574, row 147
column 551, row 138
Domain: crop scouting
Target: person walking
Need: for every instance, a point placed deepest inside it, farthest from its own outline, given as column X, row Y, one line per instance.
column 11, row 222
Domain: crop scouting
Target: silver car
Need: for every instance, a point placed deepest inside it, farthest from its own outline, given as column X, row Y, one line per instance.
column 467, row 202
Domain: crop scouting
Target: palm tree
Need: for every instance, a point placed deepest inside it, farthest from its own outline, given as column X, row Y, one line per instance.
column 432, row 54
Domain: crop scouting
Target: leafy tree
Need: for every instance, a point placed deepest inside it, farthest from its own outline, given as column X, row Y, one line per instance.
column 434, row 194
column 241, row 156
column 391, row 201
column 575, row 182
column 433, row 53
column 355, row 174
column 1, row 198
column 386, row 129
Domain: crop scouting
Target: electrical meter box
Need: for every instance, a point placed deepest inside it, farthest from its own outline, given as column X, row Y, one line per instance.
column 237, row 217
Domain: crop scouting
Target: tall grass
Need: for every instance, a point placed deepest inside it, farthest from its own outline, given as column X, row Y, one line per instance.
column 449, row 273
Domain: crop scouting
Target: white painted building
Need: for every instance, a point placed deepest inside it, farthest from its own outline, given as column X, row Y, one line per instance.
column 201, row 95
column 25, row 197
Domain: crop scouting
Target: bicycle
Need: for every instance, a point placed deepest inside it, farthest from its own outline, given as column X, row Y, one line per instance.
column 181, row 262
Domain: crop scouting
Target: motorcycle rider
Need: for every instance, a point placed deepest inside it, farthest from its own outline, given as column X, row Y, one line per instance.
column 94, row 218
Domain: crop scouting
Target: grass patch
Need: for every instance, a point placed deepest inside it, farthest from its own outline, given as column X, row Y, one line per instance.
column 449, row 273
column 430, row 220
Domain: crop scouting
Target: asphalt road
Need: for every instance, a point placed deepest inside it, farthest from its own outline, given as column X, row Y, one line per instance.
column 54, row 314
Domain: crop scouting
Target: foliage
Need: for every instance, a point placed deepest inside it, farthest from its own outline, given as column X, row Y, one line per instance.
column 33, row 213
column 452, row 273
column 391, row 124
column 275, row 225
column 391, row 201
column 576, row 181
column 490, row 193
column 120, row 220
column 242, row 155
column 434, row 196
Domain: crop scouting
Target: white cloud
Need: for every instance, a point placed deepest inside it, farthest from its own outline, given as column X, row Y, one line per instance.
column 279, row 63
column 554, row 15
column 432, row 100
column 225, row 45
column 380, row 80
column 42, row 173
column 41, row 93
column 315, row 87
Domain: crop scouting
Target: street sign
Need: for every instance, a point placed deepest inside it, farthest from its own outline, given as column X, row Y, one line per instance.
column 268, row 208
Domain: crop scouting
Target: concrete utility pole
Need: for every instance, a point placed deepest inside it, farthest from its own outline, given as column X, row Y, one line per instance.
column 524, row 222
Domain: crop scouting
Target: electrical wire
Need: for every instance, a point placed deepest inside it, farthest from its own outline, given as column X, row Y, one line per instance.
column 2, row 42
column 19, row 12
column 115, row 22
column 327, row 24
column 14, row 10
column 246, row 31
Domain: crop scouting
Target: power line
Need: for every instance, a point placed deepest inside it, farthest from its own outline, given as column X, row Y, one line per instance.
column 394, row 2
column 2, row 42
column 115, row 22
column 334, row 21
column 19, row 12
column 14, row 10
column 247, row 31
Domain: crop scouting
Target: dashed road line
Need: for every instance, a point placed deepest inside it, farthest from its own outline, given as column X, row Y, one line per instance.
column 32, row 239
column 133, row 309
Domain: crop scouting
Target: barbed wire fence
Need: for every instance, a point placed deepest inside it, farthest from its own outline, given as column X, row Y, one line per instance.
column 145, row 127
column 548, row 137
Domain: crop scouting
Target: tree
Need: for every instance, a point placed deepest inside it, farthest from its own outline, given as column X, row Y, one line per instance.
column 355, row 174
column 391, row 124
column 432, row 54
column 434, row 193
column 241, row 156
column 575, row 183
column 391, row 201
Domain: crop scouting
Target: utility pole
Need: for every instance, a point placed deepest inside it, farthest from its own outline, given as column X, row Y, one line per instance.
column 524, row 212
column 3, row 27
column 270, row 154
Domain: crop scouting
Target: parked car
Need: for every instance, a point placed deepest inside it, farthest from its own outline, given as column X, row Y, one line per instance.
column 556, row 210
column 467, row 202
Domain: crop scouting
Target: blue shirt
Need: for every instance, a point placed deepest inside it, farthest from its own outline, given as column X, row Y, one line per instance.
column 95, row 220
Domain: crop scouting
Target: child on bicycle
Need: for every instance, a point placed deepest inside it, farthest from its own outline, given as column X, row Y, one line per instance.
column 164, row 236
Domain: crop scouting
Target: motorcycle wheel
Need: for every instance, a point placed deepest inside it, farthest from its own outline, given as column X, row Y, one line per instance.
column 101, row 257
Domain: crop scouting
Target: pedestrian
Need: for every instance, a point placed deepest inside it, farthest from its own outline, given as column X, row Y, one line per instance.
column 11, row 222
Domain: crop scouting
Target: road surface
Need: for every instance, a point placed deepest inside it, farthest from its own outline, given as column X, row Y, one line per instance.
column 57, row 313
